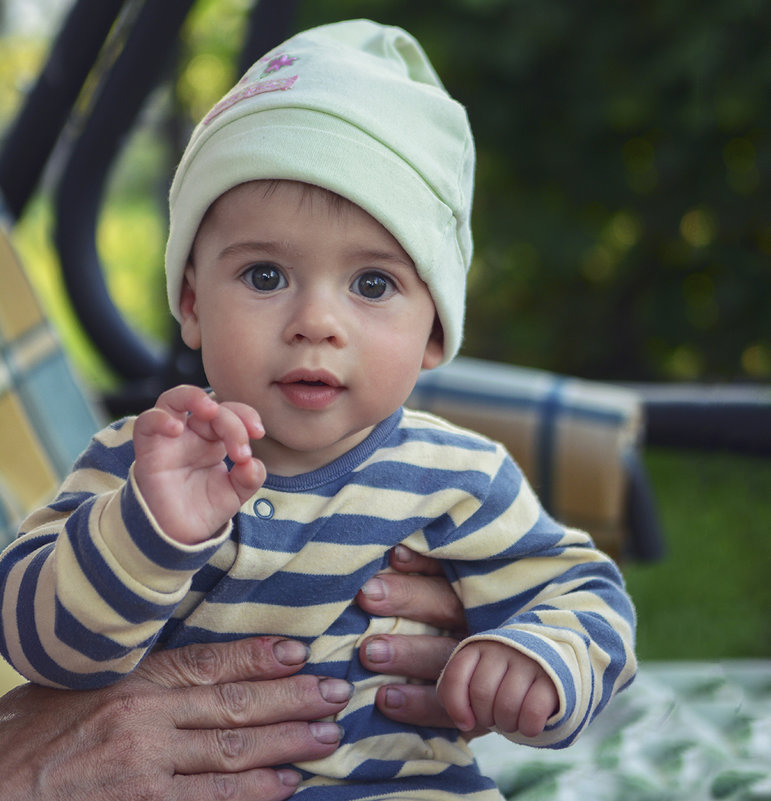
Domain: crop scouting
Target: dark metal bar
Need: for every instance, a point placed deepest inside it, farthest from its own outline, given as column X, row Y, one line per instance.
column 31, row 138
column 141, row 63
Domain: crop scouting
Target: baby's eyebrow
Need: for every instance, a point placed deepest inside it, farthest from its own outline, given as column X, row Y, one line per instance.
column 366, row 254
column 276, row 249
column 273, row 249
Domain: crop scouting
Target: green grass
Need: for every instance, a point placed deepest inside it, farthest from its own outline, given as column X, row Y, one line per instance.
column 710, row 596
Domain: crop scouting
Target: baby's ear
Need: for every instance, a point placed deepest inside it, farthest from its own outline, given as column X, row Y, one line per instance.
column 434, row 352
column 188, row 310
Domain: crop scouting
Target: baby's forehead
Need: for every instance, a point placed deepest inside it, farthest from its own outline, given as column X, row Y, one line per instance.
column 275, row 201
column 305, row 194
column 262, row 190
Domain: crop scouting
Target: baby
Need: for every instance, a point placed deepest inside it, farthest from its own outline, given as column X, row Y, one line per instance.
column 319, row 242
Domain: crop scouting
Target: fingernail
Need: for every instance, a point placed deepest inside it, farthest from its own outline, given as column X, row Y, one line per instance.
column 379, row 650
column 335, row 690
column 374, row 589
column 402, row 554
column 327, row 732
column 288, row 777
column 394, row 699
column 291, row 652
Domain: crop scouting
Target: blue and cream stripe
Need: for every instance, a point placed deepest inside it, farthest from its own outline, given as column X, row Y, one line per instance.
column 293, row 560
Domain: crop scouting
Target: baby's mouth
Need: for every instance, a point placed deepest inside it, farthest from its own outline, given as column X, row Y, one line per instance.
column 310, row 389
column 310, row 377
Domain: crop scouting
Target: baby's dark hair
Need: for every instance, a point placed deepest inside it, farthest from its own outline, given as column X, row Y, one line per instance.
column 309, row 192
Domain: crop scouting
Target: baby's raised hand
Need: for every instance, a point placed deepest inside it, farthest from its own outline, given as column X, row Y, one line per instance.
column 489, row 684
column 179, row 448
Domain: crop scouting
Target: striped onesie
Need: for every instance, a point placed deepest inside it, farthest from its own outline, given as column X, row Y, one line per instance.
column 91, row 585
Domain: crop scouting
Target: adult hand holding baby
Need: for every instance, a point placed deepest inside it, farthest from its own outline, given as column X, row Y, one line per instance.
column 209, row 721
column 484, row 685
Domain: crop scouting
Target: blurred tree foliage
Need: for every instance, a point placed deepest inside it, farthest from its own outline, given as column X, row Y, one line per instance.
column 622, row 215
column 622, row 212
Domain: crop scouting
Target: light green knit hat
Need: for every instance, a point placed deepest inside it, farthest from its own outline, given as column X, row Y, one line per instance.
column 354, row 107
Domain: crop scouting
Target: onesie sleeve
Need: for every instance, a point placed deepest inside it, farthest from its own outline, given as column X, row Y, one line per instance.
column 544, row 589
column 91, row 579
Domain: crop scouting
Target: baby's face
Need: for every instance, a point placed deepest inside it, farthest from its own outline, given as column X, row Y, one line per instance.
column 308, row 310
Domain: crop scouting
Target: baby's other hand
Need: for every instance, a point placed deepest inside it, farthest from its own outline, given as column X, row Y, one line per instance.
column 180, row 446
column 489, row 684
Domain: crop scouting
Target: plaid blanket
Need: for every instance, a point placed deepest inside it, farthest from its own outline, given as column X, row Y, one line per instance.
column 577, row 441
column 45, row 420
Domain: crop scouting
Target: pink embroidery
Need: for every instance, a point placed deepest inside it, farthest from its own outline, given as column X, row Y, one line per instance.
column 279, row 61
column 275, row 85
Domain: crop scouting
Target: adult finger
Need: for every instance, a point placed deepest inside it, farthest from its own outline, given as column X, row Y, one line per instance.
column 267, row 785
column 419, row 656
column 246, row 748
column 250, row 703
column 414, row 704
column 429, row 599
column 418, row 705
column 405, row 560
column 214, row 663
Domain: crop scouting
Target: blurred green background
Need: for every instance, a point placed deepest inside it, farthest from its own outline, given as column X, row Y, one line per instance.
column 622, row 229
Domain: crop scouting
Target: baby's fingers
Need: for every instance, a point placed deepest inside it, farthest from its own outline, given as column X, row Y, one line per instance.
column 525, row 700
column 171, row 413
column 234, row 427
column 185, row 400
column 248, row 417
column 157, row 423
column 540, row 703
column 453, row 688
column 246, row 478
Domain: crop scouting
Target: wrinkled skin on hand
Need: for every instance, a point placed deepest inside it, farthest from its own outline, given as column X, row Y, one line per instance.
column 207, row 722
column 169, row 731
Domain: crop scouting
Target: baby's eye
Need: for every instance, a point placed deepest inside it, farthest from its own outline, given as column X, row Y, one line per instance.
column 264, row 277
column 373, row 286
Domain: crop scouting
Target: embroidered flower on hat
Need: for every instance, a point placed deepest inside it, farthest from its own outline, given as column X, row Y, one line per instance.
column 249, row 90
column 248, row 87
column 278, row 61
